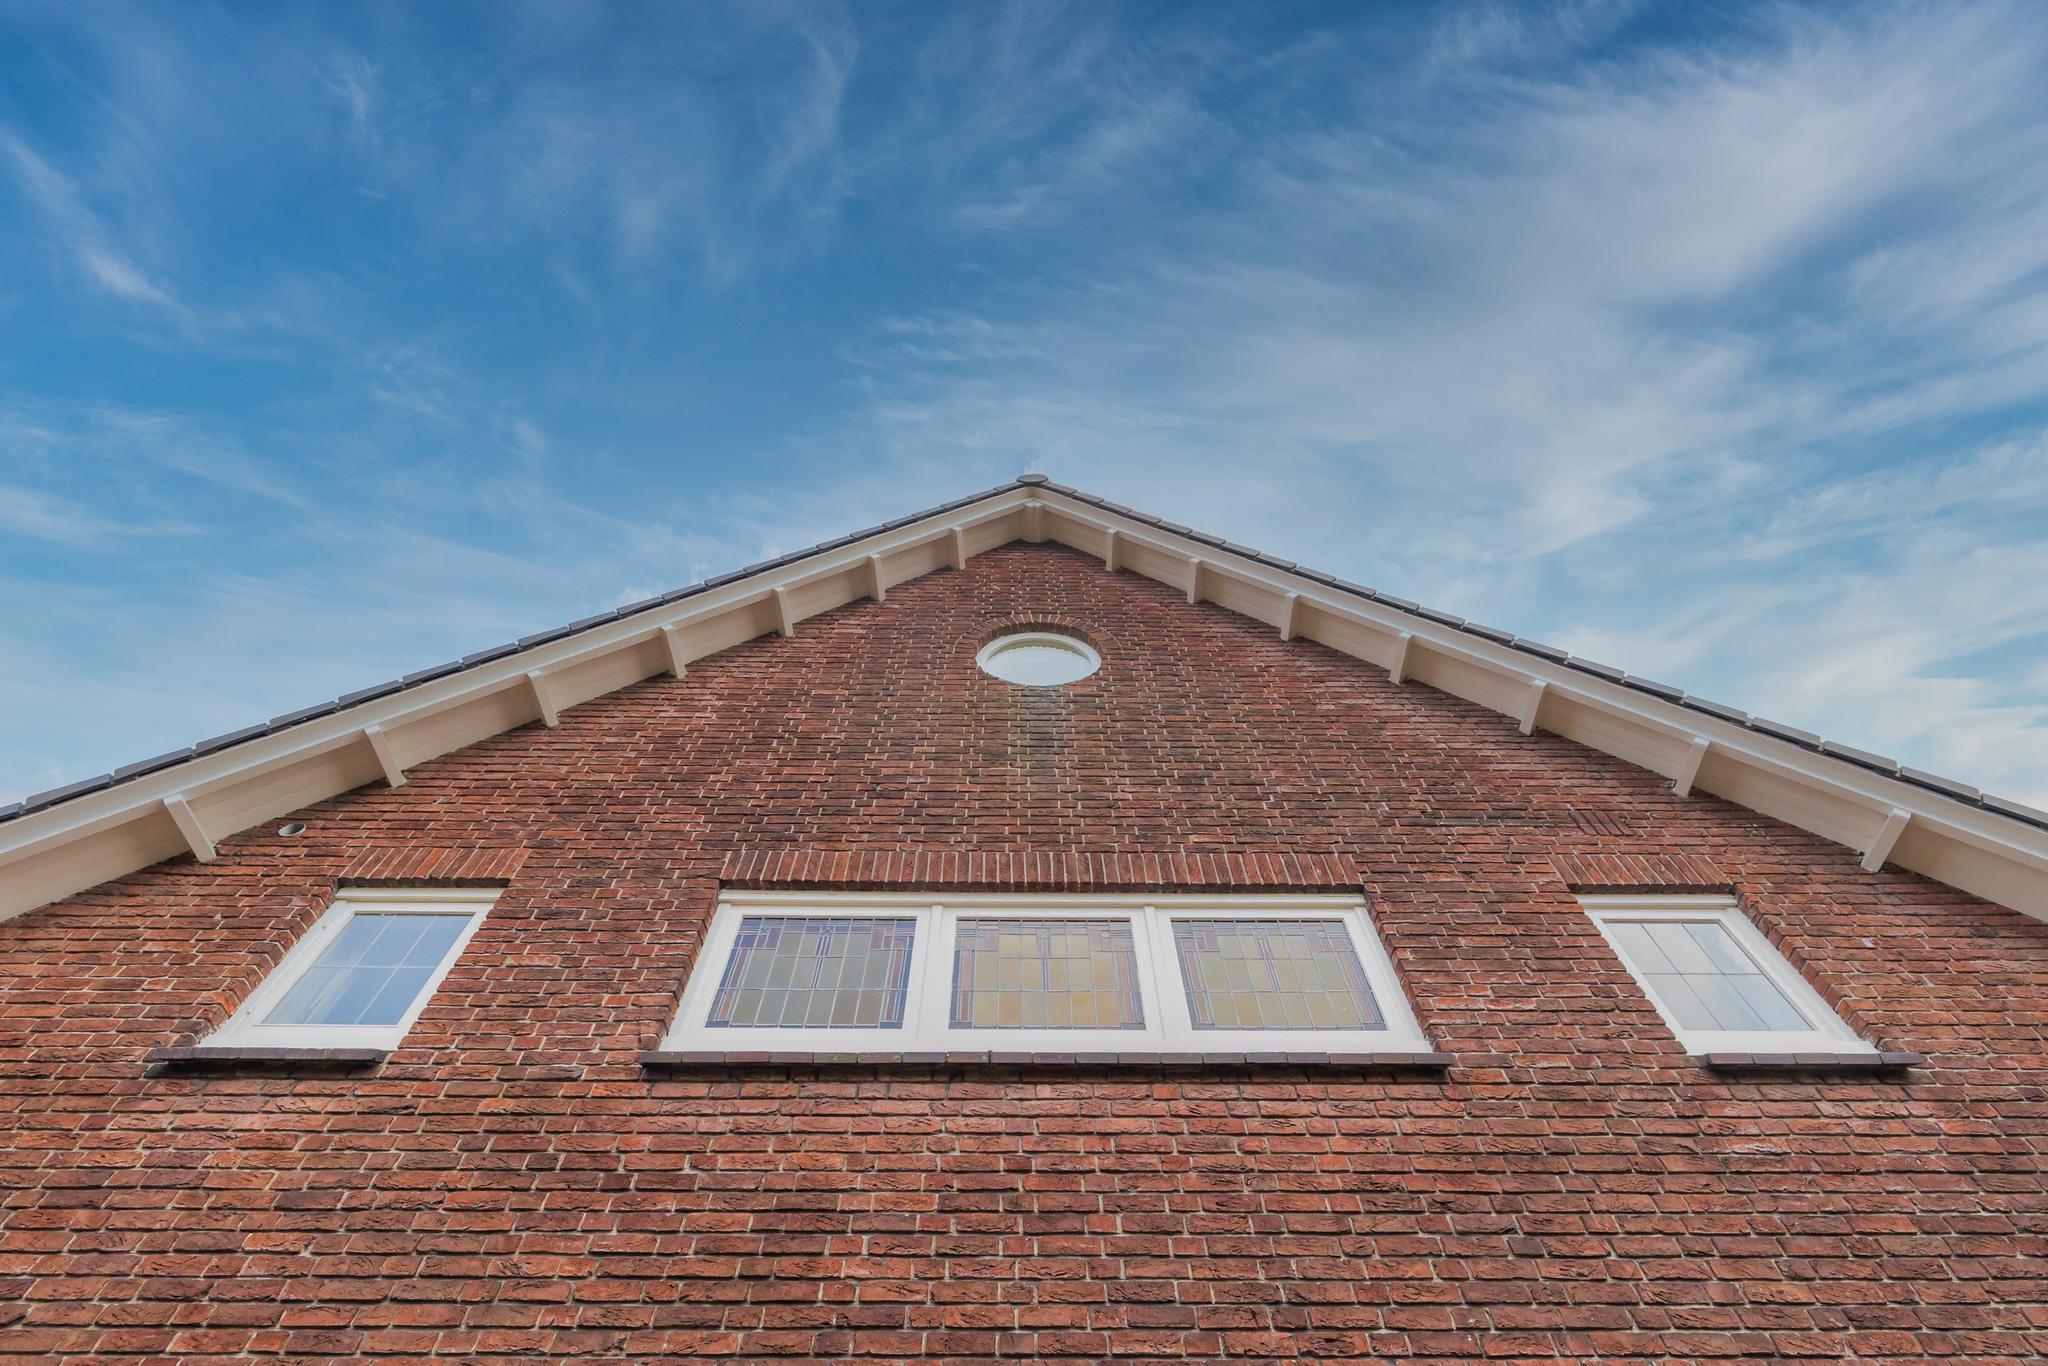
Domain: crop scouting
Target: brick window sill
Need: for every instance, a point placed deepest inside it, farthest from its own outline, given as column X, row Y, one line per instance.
column 198, row 1058
column 1812, row 1062
column 1399, row 1062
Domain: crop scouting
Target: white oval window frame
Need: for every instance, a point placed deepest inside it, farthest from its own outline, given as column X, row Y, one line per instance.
column 1057, row 640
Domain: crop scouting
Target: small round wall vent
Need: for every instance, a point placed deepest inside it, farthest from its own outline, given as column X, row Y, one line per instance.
column 1038, row 659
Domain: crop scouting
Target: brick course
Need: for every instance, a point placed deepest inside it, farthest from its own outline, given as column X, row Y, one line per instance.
column 512, row 1183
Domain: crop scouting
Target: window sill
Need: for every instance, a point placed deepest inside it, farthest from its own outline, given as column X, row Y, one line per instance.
column 663, row 1058
column 199, row 1057
column 1811, row 1062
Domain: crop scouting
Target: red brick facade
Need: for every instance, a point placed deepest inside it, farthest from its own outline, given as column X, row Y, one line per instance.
column 512, row 1184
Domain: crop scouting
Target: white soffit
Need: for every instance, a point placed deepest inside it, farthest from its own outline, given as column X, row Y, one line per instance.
column 191, row 804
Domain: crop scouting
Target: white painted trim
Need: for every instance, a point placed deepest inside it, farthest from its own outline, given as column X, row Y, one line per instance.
column 785, row 612
column 188, row 825
column 878, row 588
column 678, row 653
column 1887, row 837
column 1220, row 901
column 1194, row 584
column 387, row 758
column 1829, row 1034
column 1112, row 543
column 927, row 1025
column 1397, row 671
column 1055, row 639
column 1689, row 766
column 1290, row 617
column 1532, row 705
column 100, row 835
column 1966, row 846
column 245, row 1028
column 544, row 698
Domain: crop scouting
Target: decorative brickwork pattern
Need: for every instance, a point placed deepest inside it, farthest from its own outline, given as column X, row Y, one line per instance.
column 1041, row 870
column 514, row 1184
column 411, row 863
column 1640, row 872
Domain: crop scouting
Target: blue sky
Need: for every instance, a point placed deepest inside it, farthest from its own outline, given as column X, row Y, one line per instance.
column 339, row 340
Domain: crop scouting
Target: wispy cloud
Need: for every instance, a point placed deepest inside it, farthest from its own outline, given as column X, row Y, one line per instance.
column 1712, row 343
column 76, row 231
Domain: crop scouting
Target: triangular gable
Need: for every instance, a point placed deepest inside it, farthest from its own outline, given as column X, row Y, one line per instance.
column 76, row 837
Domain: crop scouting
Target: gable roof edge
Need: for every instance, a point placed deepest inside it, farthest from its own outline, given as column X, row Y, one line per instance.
column 187, row 801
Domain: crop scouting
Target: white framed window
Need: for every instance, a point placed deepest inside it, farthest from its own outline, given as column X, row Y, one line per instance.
column 1715, row 979
column 362, row 974
column 886, row 972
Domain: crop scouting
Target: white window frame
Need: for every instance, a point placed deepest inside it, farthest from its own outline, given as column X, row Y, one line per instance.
column 245, row 1028
column 1829, row 1034
column 927, row 1010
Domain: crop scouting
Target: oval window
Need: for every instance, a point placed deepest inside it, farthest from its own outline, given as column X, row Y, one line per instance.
column 1038, row 659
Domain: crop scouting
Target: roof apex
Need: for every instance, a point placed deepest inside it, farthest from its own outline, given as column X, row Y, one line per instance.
column 363, row 734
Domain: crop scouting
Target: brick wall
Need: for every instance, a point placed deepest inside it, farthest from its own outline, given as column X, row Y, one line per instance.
column 512, row 1184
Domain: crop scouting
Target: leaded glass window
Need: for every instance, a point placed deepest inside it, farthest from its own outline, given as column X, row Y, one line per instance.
column 1273, row 974
column 1045, row 974
column 876, row 976
column 815, row 972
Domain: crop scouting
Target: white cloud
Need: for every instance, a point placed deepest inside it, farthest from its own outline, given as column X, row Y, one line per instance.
column 1658, row 359
column 1721, row 358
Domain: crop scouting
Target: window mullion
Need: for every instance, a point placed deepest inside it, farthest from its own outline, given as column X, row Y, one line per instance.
column 931, row 979
column 1175, row 1025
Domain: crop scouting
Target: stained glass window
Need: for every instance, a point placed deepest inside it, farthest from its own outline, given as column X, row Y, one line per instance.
column 1273, row 974
column 815, row 972
column 1704, row 978
column 1045, row 974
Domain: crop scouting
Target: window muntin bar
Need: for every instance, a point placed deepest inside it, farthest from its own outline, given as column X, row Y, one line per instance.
column 363, row 973
column 1273, row 974
column 815, row 972
column 371, row 972
column 1059, row 974
column 1718, row 983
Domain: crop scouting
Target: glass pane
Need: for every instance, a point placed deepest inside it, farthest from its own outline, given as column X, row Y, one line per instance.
column 1702, row 976
column 1039, row 661
column 815, row 972
column 371, row 973
column 1045, row 974
column 1273, row 974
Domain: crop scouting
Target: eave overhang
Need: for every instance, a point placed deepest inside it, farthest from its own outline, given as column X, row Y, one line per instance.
column 76, row 837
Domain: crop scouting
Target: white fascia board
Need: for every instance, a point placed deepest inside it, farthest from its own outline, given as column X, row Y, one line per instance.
column 1875, row 793
column 62, row 827
column 1951, row 826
